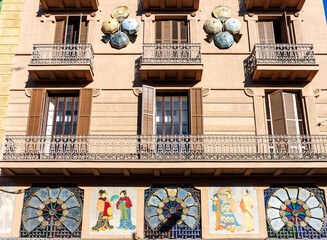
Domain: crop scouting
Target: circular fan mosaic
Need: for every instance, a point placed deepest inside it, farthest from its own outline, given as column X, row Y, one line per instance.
column 52, row 207
column 293, row 206
column 165, row 203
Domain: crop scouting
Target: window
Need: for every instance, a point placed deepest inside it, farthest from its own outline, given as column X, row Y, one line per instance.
column 0, row 5
column 279, row 30
column 284, row 113
column 171, row 31
column 172, row 115
column 71, row 29
column 61, row 115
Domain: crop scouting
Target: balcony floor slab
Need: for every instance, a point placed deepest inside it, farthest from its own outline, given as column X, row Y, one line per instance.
column 270, row 72
column 53, row 73
column 171, row 72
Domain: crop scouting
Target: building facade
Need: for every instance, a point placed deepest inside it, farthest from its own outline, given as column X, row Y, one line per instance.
column 167, row 119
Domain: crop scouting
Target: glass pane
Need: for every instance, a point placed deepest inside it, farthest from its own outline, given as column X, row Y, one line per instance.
column 185, row 129
column 159, row 129
column 184, row 103
column 159, row 117
column 176, row 129
column 159, row 103
column 184, row 117
column 167, row 129
column 167, row 103
column 51, row 111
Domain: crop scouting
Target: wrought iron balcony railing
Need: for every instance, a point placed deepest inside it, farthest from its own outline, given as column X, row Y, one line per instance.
column 62, row 54
column 283, row 54
column 171, row 53
column 165, row 148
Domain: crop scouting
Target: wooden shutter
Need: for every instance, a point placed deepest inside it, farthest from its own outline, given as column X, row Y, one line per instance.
column 158, row 31
column 278, row 116
column 83, row 33
column 291, row 113
column 171, row 31
column 196, row 111
column 36, row 112
column 183, row 32
column 84, row 111
column 286, row 36
column 266, row 32
column 60, row 31
column 148, row 110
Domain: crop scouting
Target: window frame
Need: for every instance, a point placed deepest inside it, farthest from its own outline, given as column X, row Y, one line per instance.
column 180, row 110
column 50, row 95
column 290, row 32
column 66, row 19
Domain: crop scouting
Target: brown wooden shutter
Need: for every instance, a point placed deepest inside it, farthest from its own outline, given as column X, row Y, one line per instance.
column 83, row 34
column 167, row 32
column 84, row 111
column 36, row 112
column 148, row 110
column 196, row 111
column 183, row 32
column 60, row 31
column 278, row 116
column 266, row 32
column 158, row 31
column 286, row 37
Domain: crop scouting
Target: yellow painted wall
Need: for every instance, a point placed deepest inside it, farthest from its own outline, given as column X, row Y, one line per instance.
column 10, row 23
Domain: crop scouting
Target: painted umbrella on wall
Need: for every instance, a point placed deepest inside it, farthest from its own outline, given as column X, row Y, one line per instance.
column 222, row 13
column 233, row 26
column 120, row 30
column 224, row 40
column 130, row 26
column 110, row 26
column 223, row 29
column 119, row 40
column 213, row 26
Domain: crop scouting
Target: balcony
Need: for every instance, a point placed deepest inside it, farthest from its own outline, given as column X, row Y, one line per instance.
column 69, row 5
column 282, row 62
column 171, row 62
column 26, row 155
column 171, row 5
column 274, row 5
column 62, row 62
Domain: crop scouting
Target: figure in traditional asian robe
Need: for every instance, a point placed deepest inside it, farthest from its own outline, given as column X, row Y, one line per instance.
column 105, row 213
column 246, row 205
column 216, row 203
column 227, row 209
column 124, row 204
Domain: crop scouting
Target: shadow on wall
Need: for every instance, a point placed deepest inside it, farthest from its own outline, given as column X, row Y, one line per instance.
column 30, row 83
column 242, row 7
column 139, row 11
column 40, row 12
column 137, row 73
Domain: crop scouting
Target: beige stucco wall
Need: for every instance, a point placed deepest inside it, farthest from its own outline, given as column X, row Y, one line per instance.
column 228, row 109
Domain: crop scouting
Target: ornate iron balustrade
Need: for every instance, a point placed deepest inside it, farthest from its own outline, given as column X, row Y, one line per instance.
column 164, row 148
column 284, row 54
column 171, row 53
column 62, row 54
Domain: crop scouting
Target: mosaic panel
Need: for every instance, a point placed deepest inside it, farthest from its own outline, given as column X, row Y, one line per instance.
column 7, row 208
column 52, row 212
column 172, row 212
column 295, row 212
column 233, row 210
column 113, row 211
